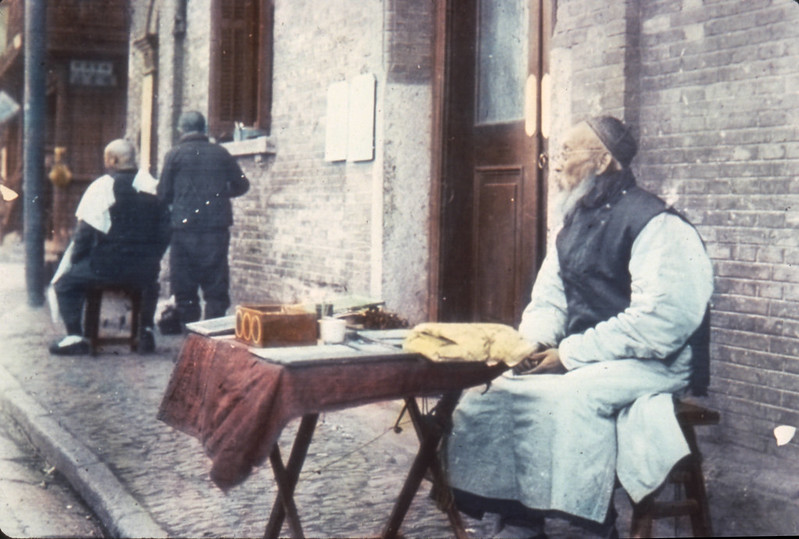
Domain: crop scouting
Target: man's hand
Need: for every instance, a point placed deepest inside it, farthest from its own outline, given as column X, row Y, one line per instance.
column 544, row 362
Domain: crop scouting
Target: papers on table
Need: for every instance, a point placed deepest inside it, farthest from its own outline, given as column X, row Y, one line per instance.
column 393, row 337
column 225, row 325
column 364, row 345
column 324, row 353
column 361, row 345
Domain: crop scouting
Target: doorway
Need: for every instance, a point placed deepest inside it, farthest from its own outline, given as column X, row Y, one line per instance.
column 490, row 236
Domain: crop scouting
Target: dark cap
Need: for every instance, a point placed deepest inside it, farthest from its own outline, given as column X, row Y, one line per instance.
column 191, row 122
column 616, row 137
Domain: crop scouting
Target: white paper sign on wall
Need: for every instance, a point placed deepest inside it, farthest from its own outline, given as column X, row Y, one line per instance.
column 361, row 124
column 336, row 123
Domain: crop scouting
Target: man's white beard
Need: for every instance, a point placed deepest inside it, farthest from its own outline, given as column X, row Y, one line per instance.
column 565, row 201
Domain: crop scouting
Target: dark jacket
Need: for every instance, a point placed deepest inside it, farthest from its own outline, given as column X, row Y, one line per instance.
column 139, row 235
column 198, row 179
column 594, row 250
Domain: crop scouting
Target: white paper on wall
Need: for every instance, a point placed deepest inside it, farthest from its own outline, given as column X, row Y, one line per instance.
column 361, row 125
column 337, row 117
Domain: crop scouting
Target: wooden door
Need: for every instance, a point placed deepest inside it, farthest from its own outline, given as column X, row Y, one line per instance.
column 492, row 191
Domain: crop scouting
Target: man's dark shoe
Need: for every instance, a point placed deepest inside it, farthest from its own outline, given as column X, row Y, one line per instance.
column 520, row 528
column 169, row 323
column 147, row 341
column 71, row 345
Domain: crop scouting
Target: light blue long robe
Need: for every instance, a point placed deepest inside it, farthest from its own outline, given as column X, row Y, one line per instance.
column 557, row 442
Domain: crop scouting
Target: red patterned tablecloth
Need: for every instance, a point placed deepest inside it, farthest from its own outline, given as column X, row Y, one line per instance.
column 236, row 403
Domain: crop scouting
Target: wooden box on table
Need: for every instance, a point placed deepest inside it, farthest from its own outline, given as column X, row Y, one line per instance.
column 275, row 325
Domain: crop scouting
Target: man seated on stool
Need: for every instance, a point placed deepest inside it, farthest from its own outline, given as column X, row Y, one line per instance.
column 618, row 313
column 121, row 235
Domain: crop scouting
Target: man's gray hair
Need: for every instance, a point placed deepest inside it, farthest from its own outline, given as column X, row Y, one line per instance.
column 191, row 122
column 123, row 152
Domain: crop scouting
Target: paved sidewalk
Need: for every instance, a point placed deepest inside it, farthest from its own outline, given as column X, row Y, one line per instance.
column 95, row 419
column 36, row 500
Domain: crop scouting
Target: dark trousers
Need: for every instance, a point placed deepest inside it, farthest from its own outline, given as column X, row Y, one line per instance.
column 199, row 261
column 71, row 291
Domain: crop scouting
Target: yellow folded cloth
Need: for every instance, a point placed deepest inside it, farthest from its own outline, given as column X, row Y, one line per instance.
column 490, row 343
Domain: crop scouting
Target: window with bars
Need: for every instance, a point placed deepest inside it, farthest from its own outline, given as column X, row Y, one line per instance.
column 241, row 66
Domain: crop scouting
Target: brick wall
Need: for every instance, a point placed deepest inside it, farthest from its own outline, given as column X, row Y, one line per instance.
column 312, row 229
column 303, row 232
column 719, row 132
column 716, row 114
column 408, row 43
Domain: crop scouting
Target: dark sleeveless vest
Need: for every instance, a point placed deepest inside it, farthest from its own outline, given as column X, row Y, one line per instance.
column 131, row 249
column 594, row 249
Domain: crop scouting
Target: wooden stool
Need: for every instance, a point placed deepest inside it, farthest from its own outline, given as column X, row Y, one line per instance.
column 688, row 473
column 91, row 320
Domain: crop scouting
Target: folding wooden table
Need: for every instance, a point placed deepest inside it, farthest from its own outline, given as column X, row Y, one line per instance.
column 237, row 400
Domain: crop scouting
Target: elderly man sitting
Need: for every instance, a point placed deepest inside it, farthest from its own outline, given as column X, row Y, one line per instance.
column 122, row 233
column 616, row 313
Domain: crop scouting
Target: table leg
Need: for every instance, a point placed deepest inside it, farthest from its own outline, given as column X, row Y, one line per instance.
column 430, row 429
column 443, row 493
column 445, row 498
column 286, row 478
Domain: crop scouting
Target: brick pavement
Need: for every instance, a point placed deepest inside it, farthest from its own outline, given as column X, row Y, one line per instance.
column 158, row 478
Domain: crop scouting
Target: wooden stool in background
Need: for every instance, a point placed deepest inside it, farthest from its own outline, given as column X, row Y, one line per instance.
column 91, row 321
column 688, row 474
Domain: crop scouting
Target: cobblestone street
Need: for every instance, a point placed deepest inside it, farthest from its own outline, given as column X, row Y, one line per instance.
column 353, row 471
column 351, row 476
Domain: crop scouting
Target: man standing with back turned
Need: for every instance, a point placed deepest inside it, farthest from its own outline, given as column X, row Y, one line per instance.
column 198, row 179
column 618, row 315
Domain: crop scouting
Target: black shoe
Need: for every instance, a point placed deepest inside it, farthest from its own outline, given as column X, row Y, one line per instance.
column 522, row 528
column 169, row 323
column 71, row 345
column 147, row 341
